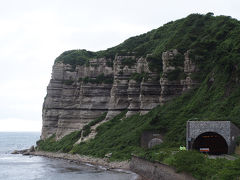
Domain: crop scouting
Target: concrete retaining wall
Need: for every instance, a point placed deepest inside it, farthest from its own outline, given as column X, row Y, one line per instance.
column 156, row 171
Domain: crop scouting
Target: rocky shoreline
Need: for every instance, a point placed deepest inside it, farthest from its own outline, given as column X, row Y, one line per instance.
column 76, row 158
column 84, row 159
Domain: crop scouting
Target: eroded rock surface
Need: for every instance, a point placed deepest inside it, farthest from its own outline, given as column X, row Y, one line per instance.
column 78, row 95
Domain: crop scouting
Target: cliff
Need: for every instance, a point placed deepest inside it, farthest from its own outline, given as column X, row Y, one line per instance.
column 76, row 95
column 145, row 71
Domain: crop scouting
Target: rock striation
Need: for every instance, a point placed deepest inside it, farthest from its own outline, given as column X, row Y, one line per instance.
column 78, row 94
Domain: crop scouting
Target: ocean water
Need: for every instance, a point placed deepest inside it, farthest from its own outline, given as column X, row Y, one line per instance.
column 19, row 167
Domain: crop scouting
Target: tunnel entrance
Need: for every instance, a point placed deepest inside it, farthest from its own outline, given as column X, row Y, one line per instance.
column 211, row 142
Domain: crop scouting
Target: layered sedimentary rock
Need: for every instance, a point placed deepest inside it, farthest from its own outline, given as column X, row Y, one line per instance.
column 78, row 94
column 189, row 69
column 176, row 74
column 71, row 103
column 150, row 92
column 170, row 87
column 119, row 95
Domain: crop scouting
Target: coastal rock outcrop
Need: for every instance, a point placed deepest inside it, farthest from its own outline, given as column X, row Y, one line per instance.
column 79, row 94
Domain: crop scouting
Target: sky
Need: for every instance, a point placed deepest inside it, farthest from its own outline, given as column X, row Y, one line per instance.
column 34, row 32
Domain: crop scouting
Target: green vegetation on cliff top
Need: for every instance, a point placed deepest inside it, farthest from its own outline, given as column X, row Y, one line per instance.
column 215, row 48
column 203, row 33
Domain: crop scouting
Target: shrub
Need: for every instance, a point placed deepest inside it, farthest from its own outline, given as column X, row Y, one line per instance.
column 139, row 76
column 188, row 161
column 98, row 120
column 87, row 128
column 230, row 170
column 178, row 60
column 63, row 145
column 155, row 62
column 176, row 74
column 128, row 62
column 75, row 57
column 106, row 79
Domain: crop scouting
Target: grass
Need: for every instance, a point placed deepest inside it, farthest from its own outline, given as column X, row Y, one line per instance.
column 203, row 168
column 112, row 138
column 63, row 145
column 87, row 128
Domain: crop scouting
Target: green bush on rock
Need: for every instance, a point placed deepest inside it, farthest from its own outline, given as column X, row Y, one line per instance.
column 202, row 167
column 63, row 145
column 106, row 79
column 87, row 128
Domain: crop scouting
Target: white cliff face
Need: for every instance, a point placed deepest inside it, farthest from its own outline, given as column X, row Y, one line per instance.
column 76, row 96
column 150, row 91
column 119, row 96
column 70, row 103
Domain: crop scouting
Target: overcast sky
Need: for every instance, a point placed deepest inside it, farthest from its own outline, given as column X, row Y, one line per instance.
column 34, row 32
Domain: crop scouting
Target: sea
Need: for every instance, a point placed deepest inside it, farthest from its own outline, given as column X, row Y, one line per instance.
column 19, row 167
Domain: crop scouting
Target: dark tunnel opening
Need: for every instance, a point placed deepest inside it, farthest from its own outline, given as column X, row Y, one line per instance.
column 212, row 143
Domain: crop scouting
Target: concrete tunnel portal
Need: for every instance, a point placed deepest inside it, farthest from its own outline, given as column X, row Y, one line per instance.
column 213, row 137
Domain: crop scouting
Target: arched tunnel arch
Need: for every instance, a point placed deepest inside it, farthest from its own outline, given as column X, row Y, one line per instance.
column 212, row 140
